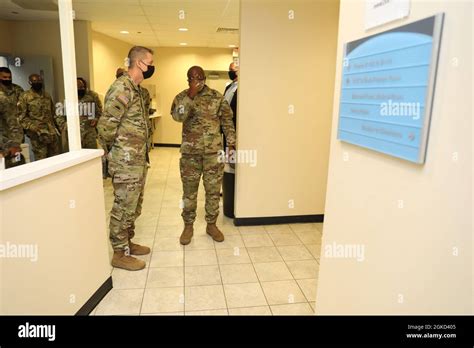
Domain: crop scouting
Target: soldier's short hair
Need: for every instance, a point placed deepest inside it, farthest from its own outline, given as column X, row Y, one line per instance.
column 83, row 81
column 33, row 75
column 195, row 68
column 5, row 70
column 137, row 53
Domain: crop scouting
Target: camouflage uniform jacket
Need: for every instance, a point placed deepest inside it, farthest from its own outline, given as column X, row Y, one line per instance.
column 202, row 119
column 123, row 127
column 36, row 112
column 14, row 91
column 86, row 103
column 11, row 133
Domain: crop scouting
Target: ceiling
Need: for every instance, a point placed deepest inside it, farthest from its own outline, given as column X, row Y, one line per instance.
column 151, row 23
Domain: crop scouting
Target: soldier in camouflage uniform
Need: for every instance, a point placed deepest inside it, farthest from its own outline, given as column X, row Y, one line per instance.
column 6, row 80
column 90, row 111
column 123, row 134
column 91, row 107
column 203, row 111
column 11, row 133
column 12, row 90
column 36, row 110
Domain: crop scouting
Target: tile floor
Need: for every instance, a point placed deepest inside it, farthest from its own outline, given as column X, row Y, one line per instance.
column 259, row 270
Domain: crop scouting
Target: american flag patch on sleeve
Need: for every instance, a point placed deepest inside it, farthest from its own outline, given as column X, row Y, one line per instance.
column 123, row 99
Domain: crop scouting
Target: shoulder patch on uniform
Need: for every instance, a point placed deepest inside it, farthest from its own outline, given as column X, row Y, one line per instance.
column 123, row 99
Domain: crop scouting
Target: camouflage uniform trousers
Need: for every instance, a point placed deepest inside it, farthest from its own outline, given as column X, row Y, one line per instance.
column 191, row 168
column 129, row 186
column 43, row 150
column 88, row 135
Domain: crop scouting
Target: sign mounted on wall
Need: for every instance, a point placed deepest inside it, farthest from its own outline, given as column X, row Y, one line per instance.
column 387, row 89
column 378, row 12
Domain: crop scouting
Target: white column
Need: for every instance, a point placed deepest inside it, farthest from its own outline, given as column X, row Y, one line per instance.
column 68, row 49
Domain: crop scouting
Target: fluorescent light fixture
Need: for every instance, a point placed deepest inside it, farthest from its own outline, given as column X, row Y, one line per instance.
column 124, row 32
column 183, row 29
column 183, row 44
column 232, row 46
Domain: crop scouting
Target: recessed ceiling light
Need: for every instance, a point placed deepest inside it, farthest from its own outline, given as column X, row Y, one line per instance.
column 183, row 44
column 124, row 32
column 183, row 29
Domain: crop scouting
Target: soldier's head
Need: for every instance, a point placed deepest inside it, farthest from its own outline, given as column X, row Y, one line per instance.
column 120, row 72
column 140, row 62
column 196, row 73
column 233, row 71
column 36, row 82
column 6, row 77
column 81, row 87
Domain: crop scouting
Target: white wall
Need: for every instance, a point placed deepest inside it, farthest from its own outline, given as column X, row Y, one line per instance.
column 408, row 251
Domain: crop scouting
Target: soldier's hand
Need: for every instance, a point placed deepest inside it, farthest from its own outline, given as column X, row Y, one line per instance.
column 14, row 150
column 195, row 87
column 231, row 153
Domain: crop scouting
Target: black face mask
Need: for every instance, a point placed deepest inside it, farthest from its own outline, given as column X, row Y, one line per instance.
column 232, row 75
column 7, row 83
column 37, row 86
column 81, row 93
column 149, row 73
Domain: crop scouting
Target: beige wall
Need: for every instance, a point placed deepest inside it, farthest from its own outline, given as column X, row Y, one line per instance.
column 108, row 55
column 73, row 248
column 5, row 37
column 84, row 58
column 408, row 251
column 285, row 62
column 43, row 38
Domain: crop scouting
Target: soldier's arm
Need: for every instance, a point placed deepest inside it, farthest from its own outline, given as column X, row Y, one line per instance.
column 15, row 133
column 98, row 107
column 23, row 116
column 59, row 120
column 116, row 105
column 225, row 115
column 11, row 136
column 181, row 108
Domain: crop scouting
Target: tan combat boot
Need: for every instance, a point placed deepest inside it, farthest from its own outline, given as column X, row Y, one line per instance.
column 136, row 249
column 214, row 232
column 124, row 261
column 187, row 234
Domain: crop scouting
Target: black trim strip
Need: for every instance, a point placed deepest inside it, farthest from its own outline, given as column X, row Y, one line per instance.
column 167, row 145
column 89, row 306
column 276, row 220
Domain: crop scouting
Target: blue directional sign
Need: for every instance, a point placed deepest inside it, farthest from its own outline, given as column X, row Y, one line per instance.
column 387, row 89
